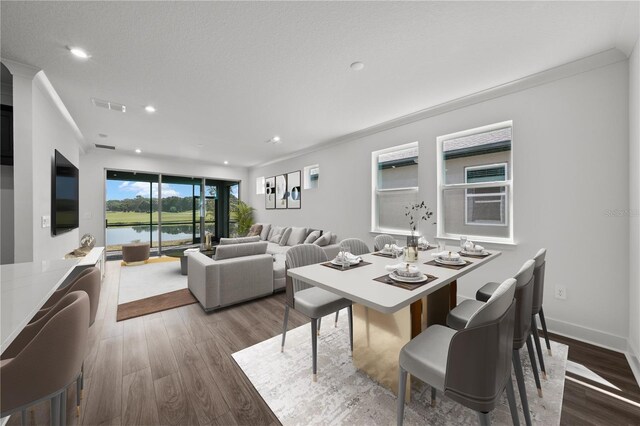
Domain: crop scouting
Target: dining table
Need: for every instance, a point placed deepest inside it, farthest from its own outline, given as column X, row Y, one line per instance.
column 388, row 314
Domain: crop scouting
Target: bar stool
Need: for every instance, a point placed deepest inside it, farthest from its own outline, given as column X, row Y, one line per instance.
column 46, row 358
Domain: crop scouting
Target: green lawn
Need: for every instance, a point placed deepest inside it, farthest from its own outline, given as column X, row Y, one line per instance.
column 143, row 218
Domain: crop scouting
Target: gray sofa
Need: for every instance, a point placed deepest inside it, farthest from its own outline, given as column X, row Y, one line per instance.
column 238, row 272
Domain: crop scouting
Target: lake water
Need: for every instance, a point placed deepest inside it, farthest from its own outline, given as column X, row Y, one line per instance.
column 128, row 234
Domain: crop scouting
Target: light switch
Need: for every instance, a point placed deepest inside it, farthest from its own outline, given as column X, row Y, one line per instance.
column 46, row 221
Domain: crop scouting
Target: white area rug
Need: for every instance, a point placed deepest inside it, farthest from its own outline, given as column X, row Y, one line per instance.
column 344, row 395
column 142, row 281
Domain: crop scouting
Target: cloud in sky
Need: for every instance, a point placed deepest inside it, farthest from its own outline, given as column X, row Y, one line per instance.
column 142, row 189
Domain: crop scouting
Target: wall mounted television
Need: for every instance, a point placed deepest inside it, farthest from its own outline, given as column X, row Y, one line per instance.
column 64, row 195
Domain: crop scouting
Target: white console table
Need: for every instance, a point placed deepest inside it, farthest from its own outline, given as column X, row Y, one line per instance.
column 25, row 287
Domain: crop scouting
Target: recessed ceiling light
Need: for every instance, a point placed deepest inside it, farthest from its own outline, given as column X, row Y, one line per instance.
column 357, row 66
column 103, row 135
column 226, row 162
column 138, row 150
column 80, row 53
column 276, row 138
column 150, row 108
column 199, row 145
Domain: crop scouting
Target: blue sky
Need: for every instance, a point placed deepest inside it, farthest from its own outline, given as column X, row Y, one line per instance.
column 119, row 190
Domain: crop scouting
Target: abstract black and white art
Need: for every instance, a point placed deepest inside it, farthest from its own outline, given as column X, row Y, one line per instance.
column 270, row 193
column 281, row 192
column 294, row 193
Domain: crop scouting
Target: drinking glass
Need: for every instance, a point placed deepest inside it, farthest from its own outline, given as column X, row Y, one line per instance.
column 463, row 241
column 441, row 246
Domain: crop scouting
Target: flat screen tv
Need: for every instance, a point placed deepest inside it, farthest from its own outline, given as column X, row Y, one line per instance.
column 64, row 195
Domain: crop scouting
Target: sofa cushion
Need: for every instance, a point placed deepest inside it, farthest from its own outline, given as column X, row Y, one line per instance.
column 239, row 250
column 255, row 230
column 285, row 236
column 266, row 228
column 275, row 234
column 273, row 248
column 334, row 238
column 297, row 236
column 239, row 240
column 313, row 235
column 324, row 240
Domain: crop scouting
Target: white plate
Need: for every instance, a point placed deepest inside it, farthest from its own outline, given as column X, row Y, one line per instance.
column 415, row 280
column 475, row 253
column 450, row 262
column 339, row 263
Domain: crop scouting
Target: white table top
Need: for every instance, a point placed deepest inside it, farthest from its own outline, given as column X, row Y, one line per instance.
column 358, row 285
column 25, row 287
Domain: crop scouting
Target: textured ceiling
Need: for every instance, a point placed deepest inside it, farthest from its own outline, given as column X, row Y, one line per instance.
column 230, row 75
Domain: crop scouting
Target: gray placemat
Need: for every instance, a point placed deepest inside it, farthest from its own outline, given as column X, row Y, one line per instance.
column 339, row 268
column 407, row 286
column 456, row 267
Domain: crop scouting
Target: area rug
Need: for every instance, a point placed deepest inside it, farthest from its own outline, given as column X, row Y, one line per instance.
column 345, row 396
column 152, row 287
column 150, row 305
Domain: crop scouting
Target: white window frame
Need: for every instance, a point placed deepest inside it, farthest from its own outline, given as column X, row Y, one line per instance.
column 442, row 186
column 505, row 194
column 375, row 224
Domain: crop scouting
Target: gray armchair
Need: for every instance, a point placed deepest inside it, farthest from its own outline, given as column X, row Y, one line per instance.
column 439, row 356
column 311, row 301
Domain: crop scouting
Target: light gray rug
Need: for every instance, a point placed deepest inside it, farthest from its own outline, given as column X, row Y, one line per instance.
column 344, row 395
column 151, row 279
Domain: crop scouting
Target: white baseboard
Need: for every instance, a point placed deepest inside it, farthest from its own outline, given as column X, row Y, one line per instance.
column 634, row 362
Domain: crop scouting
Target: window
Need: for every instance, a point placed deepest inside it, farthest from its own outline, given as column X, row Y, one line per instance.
column 475, row 184
column 394, row 177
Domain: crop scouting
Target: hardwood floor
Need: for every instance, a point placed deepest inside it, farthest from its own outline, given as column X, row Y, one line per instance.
column 175, row 367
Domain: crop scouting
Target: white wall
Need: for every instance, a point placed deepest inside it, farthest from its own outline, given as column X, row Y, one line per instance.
column 570, row 149
column 92, row 184
column 634, row 201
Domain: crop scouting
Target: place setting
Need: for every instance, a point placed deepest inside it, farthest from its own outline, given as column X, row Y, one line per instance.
column 405, row 275
column 345, row 260
column 448, row 259
column 470, row 249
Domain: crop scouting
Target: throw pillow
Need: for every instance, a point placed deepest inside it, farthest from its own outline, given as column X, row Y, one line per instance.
column 314, row 235
column 266, row 229
column 324, row 240
column 275, row 230
column 255, row 230
column 285, row 236
column 275, row 238
column 297, row 236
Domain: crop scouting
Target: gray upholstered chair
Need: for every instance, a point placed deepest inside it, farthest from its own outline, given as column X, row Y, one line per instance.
column 46, row 358
column 356, row 246
column 459, row 316
column 311, row 301
column 382, row 240
column 470, row 366
column 538, row 293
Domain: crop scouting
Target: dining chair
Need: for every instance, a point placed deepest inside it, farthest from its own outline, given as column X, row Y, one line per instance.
column 538, row 293
column 471, row 366
column 88, row 281
column 45, row 358
column 381, row 240
column 356, row 246
column 460, row 315
column 309, row 300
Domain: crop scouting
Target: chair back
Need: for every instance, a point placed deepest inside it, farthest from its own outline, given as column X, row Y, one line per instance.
column 356, row 246
column 297, row 256
column 61, row 292
column 496, row 305
column 479, row 359
column 538, row 279
column 524, row 296
column 91, row 284
column 51, row 357
column 381, row 240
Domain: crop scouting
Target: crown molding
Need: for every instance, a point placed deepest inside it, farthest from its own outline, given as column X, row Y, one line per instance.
column 19, row 69
column 589, row 63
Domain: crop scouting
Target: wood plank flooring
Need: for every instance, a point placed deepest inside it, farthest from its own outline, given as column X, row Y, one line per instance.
column 175, row 368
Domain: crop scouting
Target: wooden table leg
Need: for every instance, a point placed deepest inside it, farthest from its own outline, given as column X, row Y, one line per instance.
column 453, row 295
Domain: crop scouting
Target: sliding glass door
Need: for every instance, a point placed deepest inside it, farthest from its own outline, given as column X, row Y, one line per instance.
column 167, row 211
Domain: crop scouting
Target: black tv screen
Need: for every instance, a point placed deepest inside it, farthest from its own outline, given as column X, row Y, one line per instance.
column 64, row 195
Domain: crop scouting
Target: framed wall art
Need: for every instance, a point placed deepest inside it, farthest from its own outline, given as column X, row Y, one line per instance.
column 294, row 190
column 281, row 192
column 270, row 193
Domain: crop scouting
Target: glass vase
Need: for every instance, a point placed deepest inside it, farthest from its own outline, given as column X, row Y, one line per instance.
column 411, row 253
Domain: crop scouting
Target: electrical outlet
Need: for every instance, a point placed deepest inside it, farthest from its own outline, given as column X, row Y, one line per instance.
column 561, row 292
column 46, row 221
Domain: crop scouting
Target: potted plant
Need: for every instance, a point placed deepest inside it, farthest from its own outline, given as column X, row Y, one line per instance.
column 415, row 214
column 242, row 214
